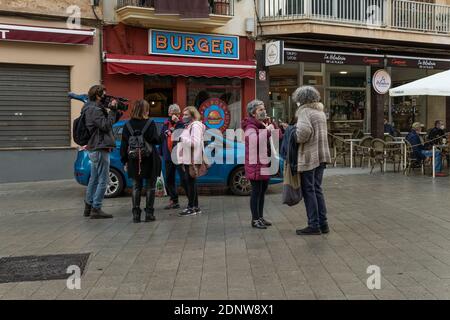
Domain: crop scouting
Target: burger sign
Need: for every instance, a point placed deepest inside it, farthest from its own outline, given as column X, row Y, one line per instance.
column 215, row 114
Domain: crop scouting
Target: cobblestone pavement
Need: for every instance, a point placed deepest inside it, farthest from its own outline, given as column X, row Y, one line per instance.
column 401, row 224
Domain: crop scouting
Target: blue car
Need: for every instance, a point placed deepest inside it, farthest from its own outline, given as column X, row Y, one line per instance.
column 230, row 175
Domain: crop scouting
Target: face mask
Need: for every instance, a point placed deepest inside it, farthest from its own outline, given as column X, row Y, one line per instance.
column 261, row 115
column 442, row 127
column 186, row 119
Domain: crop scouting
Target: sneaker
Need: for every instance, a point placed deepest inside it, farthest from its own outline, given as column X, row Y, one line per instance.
column 308, row 231
column 187, row 212
column 325, row 229
column 258, row 224
column 441, row 174
column 266, row 222
column 198, row 210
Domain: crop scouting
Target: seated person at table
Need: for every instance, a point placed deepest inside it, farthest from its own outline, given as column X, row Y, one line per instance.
column 419, row 149
column 388, row 128
column 436, row 134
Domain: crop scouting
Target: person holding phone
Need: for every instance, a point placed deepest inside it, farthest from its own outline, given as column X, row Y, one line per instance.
column 174, row 122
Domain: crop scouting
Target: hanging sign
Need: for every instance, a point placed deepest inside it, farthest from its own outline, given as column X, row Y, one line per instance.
column 381, row 81
column 274, row 53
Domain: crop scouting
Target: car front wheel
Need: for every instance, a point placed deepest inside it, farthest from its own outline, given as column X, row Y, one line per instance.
column 116, row 184
column 238, row 183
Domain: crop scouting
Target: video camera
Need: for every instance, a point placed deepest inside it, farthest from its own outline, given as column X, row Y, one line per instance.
column 122, row 103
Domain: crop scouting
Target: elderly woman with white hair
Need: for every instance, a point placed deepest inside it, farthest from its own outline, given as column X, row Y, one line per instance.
column 257, row 132
column 313, row 155
column 173, row 123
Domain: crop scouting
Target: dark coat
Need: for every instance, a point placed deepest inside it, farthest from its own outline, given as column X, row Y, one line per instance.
column 164, row 151
column 99, row 122
column 414, row 138
column 434, row 134
column 289, row 147
column 254, row 131
column 150, row 167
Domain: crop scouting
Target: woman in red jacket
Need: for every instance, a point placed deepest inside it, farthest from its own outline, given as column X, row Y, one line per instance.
column 257, row 159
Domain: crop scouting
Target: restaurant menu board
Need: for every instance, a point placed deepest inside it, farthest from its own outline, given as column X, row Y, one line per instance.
column 332, row 58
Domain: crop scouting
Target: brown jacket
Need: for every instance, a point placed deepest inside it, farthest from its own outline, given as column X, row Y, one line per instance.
column 312, row 135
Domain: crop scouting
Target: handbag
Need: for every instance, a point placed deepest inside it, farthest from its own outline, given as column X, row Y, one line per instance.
column 198, row 170
column 292, row 191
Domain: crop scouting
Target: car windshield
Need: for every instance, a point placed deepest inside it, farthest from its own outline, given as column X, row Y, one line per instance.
column 117, row 131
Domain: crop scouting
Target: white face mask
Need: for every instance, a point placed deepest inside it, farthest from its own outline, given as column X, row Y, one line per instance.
column 442, row 127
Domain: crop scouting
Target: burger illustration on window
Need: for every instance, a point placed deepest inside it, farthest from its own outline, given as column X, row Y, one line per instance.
column 214, row 117
column 215, row 114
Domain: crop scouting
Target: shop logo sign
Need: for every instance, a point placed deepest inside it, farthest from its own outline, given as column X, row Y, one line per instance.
column 193, row 45
column 215, row 114
column 274, row 53
column 399, row 62
column 426, row 64
column 334, row 58
column 381, row 81
column 3, row 33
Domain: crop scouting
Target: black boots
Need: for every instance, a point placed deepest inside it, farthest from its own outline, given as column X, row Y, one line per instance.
column 87, row 209
column 99, row 214
column 149, row 216
column 136, row 215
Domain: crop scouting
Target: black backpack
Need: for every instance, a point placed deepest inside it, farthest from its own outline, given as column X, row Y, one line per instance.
column 138, row 147
column 81, row 134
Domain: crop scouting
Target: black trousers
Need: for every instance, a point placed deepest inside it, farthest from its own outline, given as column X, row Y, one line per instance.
column 259, row 188
column 191, row 188
column 149, row 196
column 171, row 172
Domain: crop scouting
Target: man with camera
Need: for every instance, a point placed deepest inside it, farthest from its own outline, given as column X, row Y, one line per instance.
column 100, row 118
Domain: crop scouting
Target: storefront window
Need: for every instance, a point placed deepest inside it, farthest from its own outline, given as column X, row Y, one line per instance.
column 158, row 91
column 346, row 100
column 283, row 82
column 409, row 109
column 200, row 90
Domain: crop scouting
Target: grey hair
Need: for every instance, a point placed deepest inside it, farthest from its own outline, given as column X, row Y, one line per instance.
column 306, row 94
column 174, row 108
column 252, row 106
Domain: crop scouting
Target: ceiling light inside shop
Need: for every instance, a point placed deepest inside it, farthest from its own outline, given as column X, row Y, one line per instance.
column 343, row 72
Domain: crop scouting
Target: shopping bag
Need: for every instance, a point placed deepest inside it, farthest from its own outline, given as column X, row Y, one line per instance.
column 292, row 191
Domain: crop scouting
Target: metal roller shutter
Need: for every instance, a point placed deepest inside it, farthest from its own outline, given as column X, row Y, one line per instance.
column 34, row 107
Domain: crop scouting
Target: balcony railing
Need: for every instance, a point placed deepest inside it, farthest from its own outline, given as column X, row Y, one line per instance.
column 397, row 14
column 218, row 7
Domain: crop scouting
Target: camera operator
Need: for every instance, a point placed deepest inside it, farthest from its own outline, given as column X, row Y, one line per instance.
column 99, row 121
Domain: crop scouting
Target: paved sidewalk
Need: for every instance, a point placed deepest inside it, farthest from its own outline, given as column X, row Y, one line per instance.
column 401, row 224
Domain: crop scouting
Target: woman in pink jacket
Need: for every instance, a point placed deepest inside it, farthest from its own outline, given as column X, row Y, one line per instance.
column 191, row 139
column 257, row 161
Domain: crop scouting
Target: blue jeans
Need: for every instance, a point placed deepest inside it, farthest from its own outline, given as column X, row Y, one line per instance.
column 313, row 196
column 99, row 179
column 438, row 161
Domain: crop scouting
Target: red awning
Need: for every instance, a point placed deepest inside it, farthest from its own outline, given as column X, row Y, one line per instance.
column 179, row 66
column 10, row 32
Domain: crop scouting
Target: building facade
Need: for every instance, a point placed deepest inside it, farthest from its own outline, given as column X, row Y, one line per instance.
column 198, row 53
column 47, row 48
column 338, row 45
